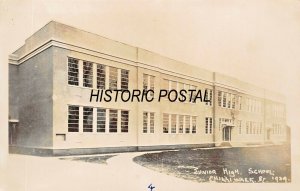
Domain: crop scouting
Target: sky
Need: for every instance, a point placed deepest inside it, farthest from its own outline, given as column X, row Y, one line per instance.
column 255, row 41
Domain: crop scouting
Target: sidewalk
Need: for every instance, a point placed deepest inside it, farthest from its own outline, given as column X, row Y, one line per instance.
column 30, row 173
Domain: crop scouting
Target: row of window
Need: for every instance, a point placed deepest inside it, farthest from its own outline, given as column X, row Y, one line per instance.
column 89, row 114
column 277, row 129
column 253, row 127
column 173, row 123
column 228, row 100
column 103, row 74
column 174, row 85
column 253, row 105
column 276, row 110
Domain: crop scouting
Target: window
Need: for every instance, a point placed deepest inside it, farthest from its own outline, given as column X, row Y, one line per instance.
column 124, row 79
column 173, row 86
column 180, row 124
column 240, row 126
column 124, row 121
column 148, row 122
column 247, row 127
column 87, row 74
column 240, row 102
column 165, row 123
column 208, row 125
column 180, row 86
column 100, row 76
column 194, row 124
column 113, row 120
column 148, row 83
column 113, row 78
column 101, row 118
column 173, row 123
column 87, row 119
column 73, row 72
column 145, row 122
column 73, row 118
column 187, row 124
column 219, row 98
column 151, row 122
column 229, row 100
column 233, row 101
column 209, row 97
column 194, row 93
column 224, row 99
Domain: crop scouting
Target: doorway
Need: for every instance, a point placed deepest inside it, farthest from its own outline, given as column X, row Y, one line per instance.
column 227, row 133
column 12, row 132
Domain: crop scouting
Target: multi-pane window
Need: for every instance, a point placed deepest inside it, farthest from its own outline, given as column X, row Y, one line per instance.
column 180, row 86
column 73, row 72
column 145, row 122
column 151, row 122
column 173, row 86
column 148, row 83
column 87, row 74
column 173, row 123
column 124, row 121
column 181, row 118
column 187, row 87
column 233, row 101
column 209, row 97
column 240, row 102
column 73, row 118
column 113, row 78
column 240, row 126
column 113, row 120
column 87, row 119
column 100, row 76
column 101, row 118
column 219, row 98
column 148, row 122
column 165, row 123
column 224, row 98
column 208, row 125
column 194, row 93
column 124, row 79
column 187, row 124
column 194, row 124
column 229, row 100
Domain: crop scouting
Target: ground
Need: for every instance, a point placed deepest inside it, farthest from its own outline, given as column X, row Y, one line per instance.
column 110, row 172
column 247, row 164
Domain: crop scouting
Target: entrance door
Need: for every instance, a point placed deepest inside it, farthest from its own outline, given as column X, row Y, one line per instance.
column 12, row 132
column 268, row 134
column 227, row 133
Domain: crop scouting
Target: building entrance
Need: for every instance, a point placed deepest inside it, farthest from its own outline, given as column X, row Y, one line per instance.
column 227, row 133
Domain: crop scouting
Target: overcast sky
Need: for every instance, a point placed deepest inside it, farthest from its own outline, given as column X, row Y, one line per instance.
column 256, row 41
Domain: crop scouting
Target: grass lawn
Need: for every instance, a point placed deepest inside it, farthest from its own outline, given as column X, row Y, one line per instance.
column 252, row 164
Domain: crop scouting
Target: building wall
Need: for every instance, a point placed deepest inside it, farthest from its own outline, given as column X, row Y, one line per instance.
column 13, row 91
column 32, row 91
column 65, row 95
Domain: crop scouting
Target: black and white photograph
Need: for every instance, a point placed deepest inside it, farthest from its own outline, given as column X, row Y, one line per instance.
column 149, row 95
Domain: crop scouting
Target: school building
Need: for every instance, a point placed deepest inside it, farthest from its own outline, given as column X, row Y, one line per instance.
column 50, row 81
